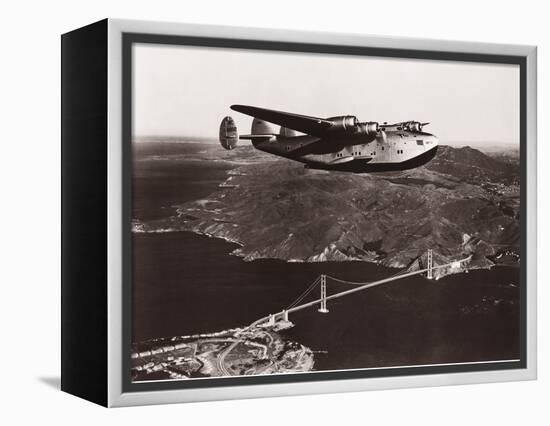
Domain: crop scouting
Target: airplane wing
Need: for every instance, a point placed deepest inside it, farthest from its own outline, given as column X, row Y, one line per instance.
column 302, row 123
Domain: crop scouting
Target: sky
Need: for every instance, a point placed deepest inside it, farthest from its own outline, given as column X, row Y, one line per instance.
column 186, row 91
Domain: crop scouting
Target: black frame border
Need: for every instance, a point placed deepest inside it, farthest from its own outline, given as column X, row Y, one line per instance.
column 129, row 39
column 84, row 234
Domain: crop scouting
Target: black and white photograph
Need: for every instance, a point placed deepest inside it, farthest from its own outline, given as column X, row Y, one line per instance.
column 300, row 213
column 275, row 213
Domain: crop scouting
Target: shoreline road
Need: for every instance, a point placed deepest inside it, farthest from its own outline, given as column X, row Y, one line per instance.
column 220, row 362
column 221, row 359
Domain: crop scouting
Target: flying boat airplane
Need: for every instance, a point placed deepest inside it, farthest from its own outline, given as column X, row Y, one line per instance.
column 336, row 143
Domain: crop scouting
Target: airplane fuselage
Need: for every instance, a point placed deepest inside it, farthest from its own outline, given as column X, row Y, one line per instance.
column 390, row 149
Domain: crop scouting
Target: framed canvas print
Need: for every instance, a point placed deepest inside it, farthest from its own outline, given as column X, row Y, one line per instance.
column 256, row 212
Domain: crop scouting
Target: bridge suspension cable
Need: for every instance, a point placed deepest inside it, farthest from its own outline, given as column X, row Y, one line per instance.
column 318, row 280
column 304, row 294
column 402, row 271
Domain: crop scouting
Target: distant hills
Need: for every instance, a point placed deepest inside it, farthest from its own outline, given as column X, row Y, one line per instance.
column 462, row 202
column 473, row 165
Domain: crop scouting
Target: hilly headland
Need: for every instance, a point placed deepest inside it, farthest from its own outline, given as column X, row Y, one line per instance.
column 462, row 203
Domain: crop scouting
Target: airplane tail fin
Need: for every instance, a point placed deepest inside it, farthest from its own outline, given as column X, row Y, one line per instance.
column 229, row 135
column 261, row 131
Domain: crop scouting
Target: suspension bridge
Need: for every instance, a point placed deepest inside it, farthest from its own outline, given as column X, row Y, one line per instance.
column 321, row 302
column 321, row 281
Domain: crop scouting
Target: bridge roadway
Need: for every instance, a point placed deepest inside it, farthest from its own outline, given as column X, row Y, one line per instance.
column 360, row 287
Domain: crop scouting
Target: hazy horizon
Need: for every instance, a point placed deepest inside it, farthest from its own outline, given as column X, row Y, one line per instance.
column 211, row 140
column 181, row 91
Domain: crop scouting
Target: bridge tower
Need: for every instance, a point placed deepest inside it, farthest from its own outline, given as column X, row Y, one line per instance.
column 323, row 309
column 430, row 265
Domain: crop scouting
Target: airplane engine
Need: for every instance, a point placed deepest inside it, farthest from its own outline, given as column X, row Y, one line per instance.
column 229, row 136
column 262, row 127
column 345, row 123
column 370, row 128
column 415, row 126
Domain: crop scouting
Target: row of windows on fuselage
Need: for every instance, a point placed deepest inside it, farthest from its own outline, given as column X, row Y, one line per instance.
column 399, row 151
column 341, row 154
column 355, row 153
